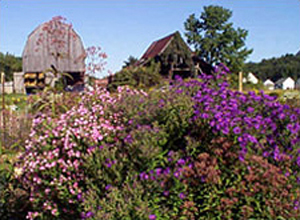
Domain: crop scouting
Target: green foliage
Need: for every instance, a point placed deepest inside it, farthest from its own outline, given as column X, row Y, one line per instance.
column 131, row 61
column 18, row 100
column 10, row 64
column 215, row 39
column 248, row 86
column 155, row 124
column 13, row 199
column 137, row 77
column 276, row 68
column 52, row 103
column 53, row 99
column 17, row 122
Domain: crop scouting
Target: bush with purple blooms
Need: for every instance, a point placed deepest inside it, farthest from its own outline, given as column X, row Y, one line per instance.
column 196, row 150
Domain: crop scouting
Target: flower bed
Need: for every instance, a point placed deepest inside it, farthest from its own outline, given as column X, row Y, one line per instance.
column 196, row 150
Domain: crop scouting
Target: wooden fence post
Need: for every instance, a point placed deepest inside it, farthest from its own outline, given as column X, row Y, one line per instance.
column 3, row 112
column 241, row 81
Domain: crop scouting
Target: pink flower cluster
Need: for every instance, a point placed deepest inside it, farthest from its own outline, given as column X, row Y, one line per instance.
column 52, row 164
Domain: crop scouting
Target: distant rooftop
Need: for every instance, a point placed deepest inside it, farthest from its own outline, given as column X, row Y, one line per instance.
column 157, row 47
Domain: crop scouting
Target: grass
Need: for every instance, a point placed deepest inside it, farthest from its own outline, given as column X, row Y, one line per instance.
column 18, row 100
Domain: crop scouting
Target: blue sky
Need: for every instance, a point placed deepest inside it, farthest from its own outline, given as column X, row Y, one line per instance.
column 127, row 27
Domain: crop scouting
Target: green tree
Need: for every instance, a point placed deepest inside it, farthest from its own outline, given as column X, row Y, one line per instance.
column 10, row 64
column 215, row 39
column 130, row 61
column 275, row 68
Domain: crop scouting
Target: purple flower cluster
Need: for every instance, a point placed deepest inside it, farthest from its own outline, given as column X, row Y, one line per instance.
column 256, row 121
column 159, row 173
column 87, row 215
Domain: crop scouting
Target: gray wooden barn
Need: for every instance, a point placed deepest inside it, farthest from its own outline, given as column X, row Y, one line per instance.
column 62, row 52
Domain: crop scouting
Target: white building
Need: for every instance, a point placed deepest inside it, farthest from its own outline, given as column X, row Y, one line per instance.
column 8, row 87
column 269, row 84
column 285, row 84
column 251, row 78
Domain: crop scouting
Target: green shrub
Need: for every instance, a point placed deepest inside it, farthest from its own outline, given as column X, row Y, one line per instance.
column 137, row 77
column 14, row 203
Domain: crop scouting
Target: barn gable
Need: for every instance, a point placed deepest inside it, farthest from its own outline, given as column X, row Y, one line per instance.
column 172, row 53
column 39, row 55
column 53, row 45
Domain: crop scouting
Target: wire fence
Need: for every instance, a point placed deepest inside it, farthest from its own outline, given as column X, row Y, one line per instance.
column 14, row 129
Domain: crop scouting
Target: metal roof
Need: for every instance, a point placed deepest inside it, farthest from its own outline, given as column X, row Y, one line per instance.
column 157, row 47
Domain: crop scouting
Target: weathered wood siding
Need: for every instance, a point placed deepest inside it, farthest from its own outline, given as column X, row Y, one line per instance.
column 19, row 86
column 38, row 58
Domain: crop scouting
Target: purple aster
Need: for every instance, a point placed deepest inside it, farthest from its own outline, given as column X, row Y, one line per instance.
column 252, row 138
column 237, row 130
column 177, row 174
column 205, row 115
column 79, row 196
column 166, row 193
column 250, row 109
column 223, row 66
column 298, row 161
column 225, row 130
column 158, row 171
column 107, row 187
column 293, row 128
column 181, row 195
column 108, row 165
column 167, row 171
column 181, row 162
column 89, row 214
column 152, row 217
column 293, row 117
column 128, row 139
column 241, row 157
column 281, row 116
column 240, row 139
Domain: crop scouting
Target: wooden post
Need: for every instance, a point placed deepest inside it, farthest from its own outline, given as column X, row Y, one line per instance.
column 171, row 72
column 13, row 84
column 3, row 110
column 198, row 70
column 241, row 81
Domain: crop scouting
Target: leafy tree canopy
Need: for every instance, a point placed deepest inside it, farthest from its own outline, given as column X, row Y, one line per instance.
column 130, row 61
column 10, row 64
column 215, row 39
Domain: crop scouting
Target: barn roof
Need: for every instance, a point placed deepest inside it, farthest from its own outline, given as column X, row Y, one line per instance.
column 38, row 54
column 280, row 81
column 268, row 82
column 157, row 47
